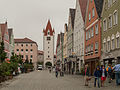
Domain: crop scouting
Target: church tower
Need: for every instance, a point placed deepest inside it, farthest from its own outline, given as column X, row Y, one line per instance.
column 48, row 45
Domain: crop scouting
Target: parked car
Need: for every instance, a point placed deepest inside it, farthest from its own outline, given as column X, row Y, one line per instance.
column 40, row 67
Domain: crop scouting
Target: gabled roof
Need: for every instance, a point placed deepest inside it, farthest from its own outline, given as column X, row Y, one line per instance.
column 10, row 32
column 99, row 6
column 72, row 13
column 83, row 7
column 48, row 27
column 24, row 40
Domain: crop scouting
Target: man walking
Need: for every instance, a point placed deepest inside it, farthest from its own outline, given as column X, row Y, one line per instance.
column 110, row 71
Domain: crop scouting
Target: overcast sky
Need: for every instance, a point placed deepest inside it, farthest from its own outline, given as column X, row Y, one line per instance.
column 29, row 17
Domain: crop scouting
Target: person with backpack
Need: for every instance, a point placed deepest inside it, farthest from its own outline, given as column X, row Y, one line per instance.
column 103, row 75
column 110, row 71
column 97, row 75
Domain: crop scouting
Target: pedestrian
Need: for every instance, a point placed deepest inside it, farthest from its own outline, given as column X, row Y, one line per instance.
column 97, row 75
column 110, row 72
column 86, row 75
column 56, row 71
column 116, row 69
column 103, row 76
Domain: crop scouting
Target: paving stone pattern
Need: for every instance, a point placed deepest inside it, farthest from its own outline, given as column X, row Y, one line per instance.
column 43, row 80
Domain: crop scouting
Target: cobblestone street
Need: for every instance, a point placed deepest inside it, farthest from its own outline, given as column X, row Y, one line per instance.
column 43, row 80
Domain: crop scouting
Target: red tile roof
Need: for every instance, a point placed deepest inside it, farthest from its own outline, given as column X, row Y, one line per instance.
column 83, row 6
column 40, row 52
column 48, row 27
column 24, row 40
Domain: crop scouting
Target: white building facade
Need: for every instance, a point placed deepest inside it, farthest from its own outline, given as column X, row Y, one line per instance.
column 79, row 31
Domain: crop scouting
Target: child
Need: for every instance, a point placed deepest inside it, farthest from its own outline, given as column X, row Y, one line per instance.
column 103, row 76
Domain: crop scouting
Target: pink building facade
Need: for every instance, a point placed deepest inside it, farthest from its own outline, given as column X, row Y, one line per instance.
column 28, row 49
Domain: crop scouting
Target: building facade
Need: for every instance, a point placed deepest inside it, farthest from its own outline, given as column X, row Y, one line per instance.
column 111, row 32
column 48, row 44
column 93, row 34
column 11, row 41
column 65, row 47
column 28, row 49
column 70, row 41
column 79, row 26
column 5, row 37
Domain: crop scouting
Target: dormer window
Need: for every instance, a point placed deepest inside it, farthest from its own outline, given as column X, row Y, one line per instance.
column 48, row 32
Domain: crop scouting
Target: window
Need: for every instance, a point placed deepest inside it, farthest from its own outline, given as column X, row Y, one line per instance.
column 31, row 45
column 93, row 12
column 109, row 3
column 114, row 1
column 26, row 50
column 96, row 47
column 48, row 56
column 48, row 51
column 31, row 50
column 113, row 44
column 22, row 45
column 89, row 16
column 91, row 47
column 48, row 47
column 31, row 56
column 105, row 25
column 115, row 18
column 48, row 38
column 109, row 46
column 104, row 46
column 92, row 32
column 117, row 42
column 86, row 35
column 22, row 50
column 110, row 21
column 26, row 44
column 96, row 29
column 48, row 42
column 89, row 33
column 17, row 50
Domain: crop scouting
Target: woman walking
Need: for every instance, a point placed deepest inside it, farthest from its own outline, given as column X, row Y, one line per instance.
column 103, row 76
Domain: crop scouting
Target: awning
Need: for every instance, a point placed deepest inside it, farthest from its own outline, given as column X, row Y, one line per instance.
column 108, row 59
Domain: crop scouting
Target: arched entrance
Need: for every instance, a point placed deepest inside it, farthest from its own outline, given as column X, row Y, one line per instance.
column 48, row 64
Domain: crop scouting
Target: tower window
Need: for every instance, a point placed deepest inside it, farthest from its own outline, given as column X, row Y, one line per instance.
column 48, row 38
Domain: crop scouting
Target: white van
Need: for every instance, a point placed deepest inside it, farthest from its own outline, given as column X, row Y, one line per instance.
column 40, row 67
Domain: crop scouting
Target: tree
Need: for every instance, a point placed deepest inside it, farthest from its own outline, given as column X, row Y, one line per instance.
column 2, row 52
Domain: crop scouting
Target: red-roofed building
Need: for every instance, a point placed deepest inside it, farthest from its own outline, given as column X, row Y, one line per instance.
column 27, row 48
column 93, row 34
column 48, row 44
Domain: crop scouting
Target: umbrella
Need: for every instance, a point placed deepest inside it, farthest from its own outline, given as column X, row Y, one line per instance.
column 117, row 68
